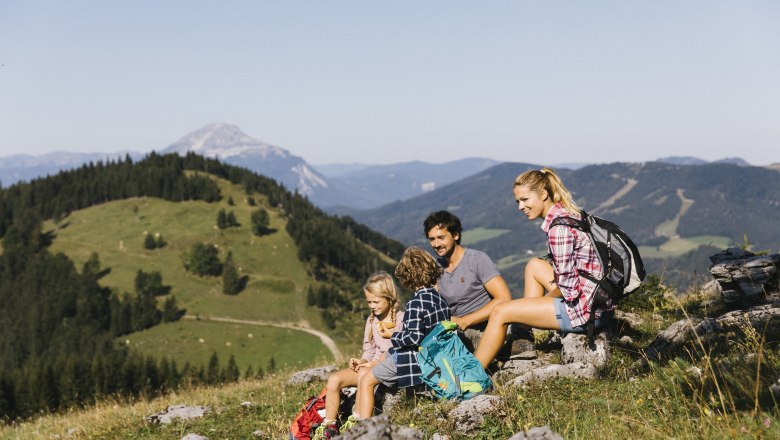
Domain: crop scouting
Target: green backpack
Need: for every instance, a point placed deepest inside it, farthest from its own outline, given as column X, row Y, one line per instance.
column 448, row 368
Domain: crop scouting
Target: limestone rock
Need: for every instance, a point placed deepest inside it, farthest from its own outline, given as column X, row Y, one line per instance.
column 379, row 428
column 744, row 277
column 631, row 319
column 576, row 349
column 764, row 318
column 573, row 370
column 178, row 412
column 192, row 436
column 309, row 376
column 469, row 414
column 517, row 367
column 775, row 390
column 537, row 433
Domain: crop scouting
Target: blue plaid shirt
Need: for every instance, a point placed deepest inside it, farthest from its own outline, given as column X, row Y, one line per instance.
column 423, row 312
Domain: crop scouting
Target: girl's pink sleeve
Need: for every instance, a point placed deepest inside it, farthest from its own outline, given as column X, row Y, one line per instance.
column 368, row 347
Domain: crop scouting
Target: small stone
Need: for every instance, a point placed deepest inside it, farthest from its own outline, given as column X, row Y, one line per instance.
column 192, row 436
column 259, row 433
column 247, row 404
column 537, row 433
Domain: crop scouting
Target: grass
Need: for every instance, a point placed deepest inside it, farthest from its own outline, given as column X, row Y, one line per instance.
column 676, row 246
column 472, row 236
column 277, row 280
column 663, row 400
column 250, row 344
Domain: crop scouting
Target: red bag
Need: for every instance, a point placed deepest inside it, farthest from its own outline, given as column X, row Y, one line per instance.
column 309, row 418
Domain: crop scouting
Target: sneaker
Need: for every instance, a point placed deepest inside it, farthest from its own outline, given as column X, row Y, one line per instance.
column 326, row 431
column 351, row 421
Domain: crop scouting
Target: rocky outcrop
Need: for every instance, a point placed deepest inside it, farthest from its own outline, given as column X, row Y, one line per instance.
column 469, row 415
column 576, row 370
column 575, row 348
column 380, row 428
column 174, row 412
column 764, row 318
column 309, row 376
column 744, row 277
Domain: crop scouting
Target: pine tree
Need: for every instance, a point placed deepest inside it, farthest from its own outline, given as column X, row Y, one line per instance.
column 232, row 373
column 171, row 311
column 149, row 243
column 212, row 372
column 222, row 222
column 260, row 222
column 231, row 220
column 203, row 260
column 231, row 282
column 271, row 365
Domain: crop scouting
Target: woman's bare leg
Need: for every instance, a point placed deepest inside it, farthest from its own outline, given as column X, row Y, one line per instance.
column 365, row 394
column 531, row 312
column 539, row 278
column 337, row 381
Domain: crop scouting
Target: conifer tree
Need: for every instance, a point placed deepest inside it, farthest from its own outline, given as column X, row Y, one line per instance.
column 232, row 373
column 212, row 372
column 222, row 221
column 231, row 219
column 260, row 222
column 231, row 281
column 149, row 242
column 203, row 260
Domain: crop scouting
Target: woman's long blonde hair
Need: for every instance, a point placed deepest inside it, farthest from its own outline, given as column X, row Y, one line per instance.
column 547, row 179
column 381, row 284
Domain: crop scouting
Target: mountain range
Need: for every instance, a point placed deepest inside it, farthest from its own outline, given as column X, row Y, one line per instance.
column 338, row 188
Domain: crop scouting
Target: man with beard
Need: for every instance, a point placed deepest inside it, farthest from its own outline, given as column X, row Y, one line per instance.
column 471, row 283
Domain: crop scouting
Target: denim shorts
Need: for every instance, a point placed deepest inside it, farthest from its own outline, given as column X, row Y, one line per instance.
column 564, row 322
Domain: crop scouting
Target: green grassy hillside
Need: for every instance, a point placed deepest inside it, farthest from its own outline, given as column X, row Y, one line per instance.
column 277, row 280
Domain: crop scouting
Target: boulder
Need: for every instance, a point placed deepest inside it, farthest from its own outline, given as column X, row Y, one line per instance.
column 576, row 349
column 537, row 433
column 469, row 415
column 744, row 277
column 178, row 412
column 311, row 375
column 574, row 370
column 379, row 428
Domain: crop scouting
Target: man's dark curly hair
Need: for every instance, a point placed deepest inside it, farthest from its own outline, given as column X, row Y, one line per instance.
column 444, row 220
column 417, row 269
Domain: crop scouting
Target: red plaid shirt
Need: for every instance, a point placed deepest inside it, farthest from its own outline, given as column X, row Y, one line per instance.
column 572, row 253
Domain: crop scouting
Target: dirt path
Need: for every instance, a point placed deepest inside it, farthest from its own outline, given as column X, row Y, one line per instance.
column 323, row 337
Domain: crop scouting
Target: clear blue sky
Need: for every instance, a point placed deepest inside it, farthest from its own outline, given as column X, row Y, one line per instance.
column 379, row 82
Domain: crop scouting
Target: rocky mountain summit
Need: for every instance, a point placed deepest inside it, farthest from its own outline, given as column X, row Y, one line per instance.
column 229, row 144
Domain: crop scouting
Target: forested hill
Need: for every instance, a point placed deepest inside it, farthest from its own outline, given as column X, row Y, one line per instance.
column 59, row 323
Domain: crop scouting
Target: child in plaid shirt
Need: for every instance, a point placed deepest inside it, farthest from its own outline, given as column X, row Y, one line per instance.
column 419, row 271
column 567, row 277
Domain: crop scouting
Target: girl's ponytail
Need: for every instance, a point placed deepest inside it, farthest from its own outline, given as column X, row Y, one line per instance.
column 547, row 179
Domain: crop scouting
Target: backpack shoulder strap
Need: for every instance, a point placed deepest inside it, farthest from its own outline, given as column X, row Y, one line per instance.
column 571, row 222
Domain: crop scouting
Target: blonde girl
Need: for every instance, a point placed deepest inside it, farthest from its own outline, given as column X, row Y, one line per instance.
column 557, row 293
column 383, row 321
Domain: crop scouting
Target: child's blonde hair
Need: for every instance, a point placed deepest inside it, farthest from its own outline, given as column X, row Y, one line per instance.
column 417, row 269
column 381, row 284
column 547, row 179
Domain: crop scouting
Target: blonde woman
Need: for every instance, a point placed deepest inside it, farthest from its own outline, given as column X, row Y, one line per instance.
column 383, row 321
column 559, row 291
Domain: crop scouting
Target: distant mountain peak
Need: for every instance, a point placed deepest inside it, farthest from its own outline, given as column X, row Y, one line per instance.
column 221, row 140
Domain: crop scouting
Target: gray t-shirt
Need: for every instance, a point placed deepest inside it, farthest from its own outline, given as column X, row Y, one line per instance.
column 464, row 288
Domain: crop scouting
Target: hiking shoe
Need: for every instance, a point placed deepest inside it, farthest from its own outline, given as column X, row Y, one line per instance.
column 326, row 431
column 351, row 421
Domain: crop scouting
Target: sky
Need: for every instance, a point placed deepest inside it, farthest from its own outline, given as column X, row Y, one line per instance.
column 384, row 82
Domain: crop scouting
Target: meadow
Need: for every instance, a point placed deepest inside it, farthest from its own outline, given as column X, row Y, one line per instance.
column 277, row 280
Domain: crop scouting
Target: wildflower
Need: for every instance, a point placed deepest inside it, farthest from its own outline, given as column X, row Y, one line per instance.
column 743, row 430
column 520, row 398
column 767, row 423
column 639, row 401
column 707, row 412
column 411, row 425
